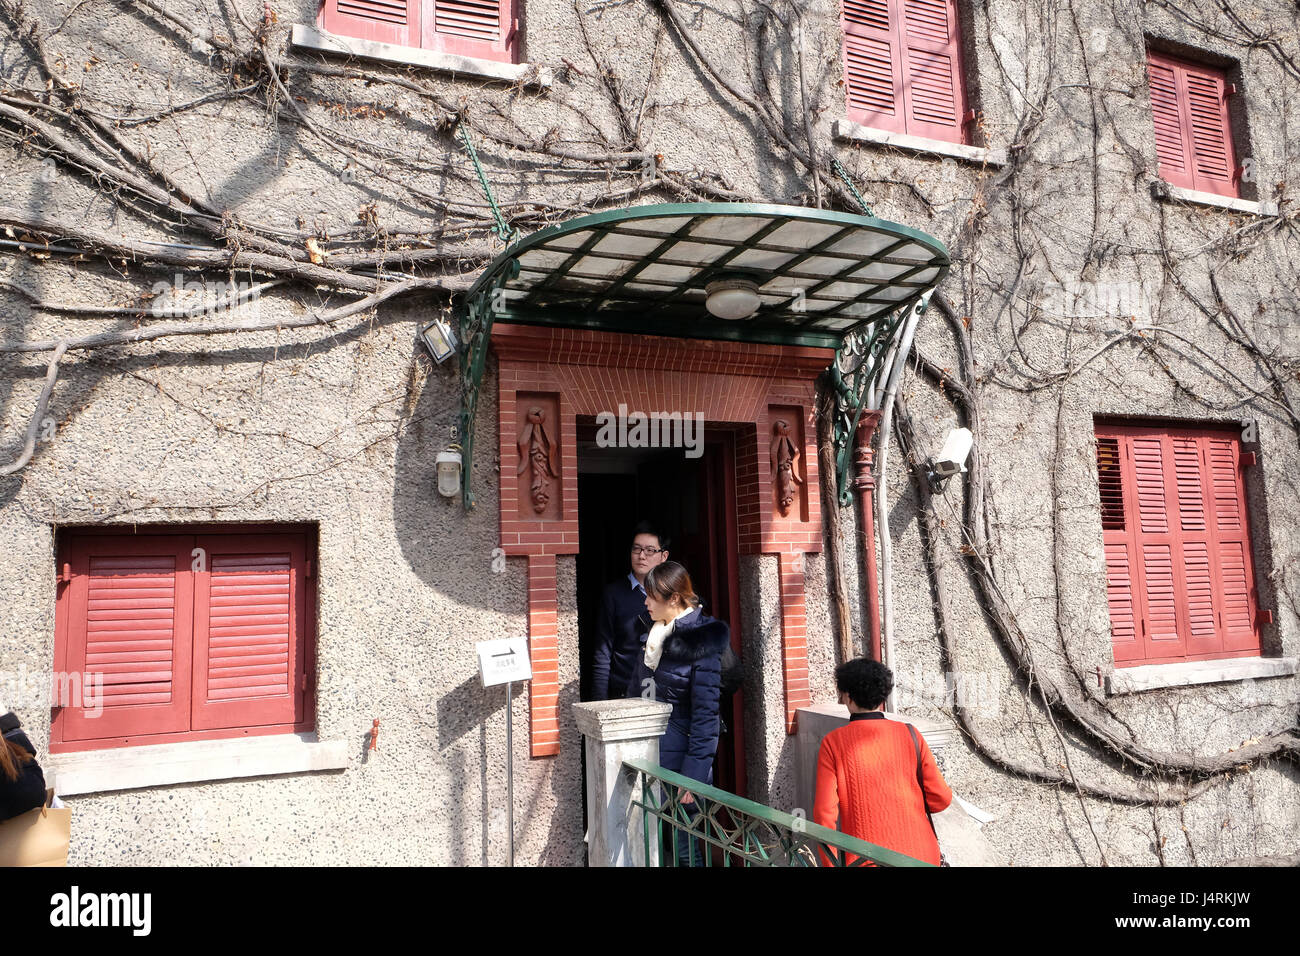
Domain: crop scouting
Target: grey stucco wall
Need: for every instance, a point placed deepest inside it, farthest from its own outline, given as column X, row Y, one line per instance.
column 340, row 426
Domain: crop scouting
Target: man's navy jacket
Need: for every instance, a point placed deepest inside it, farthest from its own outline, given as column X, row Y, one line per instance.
column 620, row 638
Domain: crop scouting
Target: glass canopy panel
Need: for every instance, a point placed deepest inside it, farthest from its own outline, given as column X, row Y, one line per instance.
column 880, row 270
column 731, row 228
column 543, row 259
column 842, row 290
column 665, row 225
column 911, row 252
column 866, row 243
column 761, row 259
column 695, row 252
column 645, row 268
column 621, row 244
column 801, row 234
column 660, row 272
column 822, row 266
column 599, row 266
column 568, row 242
column 894, row 293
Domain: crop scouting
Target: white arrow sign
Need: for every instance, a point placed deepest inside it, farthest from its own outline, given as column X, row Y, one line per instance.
column 500, row 662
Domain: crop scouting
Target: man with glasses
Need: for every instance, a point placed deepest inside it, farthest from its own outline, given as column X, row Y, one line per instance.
column 618, row 640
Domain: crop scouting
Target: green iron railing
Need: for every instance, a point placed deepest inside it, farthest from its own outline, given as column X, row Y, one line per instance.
column 742, row 832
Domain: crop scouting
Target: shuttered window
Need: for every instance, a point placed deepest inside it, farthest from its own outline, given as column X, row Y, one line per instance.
column 476, row 28
column 902, row 67
column 186, row 636
column 1179, row 580
column 1189, row 107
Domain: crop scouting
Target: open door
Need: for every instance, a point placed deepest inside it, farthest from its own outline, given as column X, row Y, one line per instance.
column 694, row 500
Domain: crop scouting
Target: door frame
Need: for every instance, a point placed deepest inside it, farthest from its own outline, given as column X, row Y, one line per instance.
column 561, row 373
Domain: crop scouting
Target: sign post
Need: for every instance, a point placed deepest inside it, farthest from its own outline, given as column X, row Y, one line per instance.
column 504, row 662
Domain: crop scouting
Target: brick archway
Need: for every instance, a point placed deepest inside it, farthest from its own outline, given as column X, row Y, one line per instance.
column 548, row 377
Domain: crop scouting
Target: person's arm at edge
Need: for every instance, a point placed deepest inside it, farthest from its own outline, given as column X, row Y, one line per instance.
column 706, row 689
column 600, row 660
column 826, row 803
column 938, row 795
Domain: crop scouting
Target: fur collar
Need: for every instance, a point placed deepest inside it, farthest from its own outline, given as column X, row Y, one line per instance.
column 696, row 637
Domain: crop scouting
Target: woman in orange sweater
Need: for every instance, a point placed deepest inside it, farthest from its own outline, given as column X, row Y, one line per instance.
column 866, row 771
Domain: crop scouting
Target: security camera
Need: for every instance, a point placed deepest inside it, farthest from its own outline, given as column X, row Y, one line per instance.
column 951, row 460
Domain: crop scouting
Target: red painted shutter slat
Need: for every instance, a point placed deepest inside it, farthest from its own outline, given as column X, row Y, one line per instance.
column 128, row 607
column 1225, row 482
column 932, row 82
column 872, row 64
column 384, row 21
column 1187, row 475
column 1160, row 587
column 1149, row 478
column 250, row 631
column 1125, row 638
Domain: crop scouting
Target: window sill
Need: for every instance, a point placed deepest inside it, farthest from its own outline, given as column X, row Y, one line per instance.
column 1171, row 193
column 846, row 131
column 129, row 768
column 530, row 75
column 1131, row 680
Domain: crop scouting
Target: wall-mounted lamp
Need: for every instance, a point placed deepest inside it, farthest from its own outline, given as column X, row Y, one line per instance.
column 449, row 471
column 951, row 460
column 439, row 339
column 732, row 297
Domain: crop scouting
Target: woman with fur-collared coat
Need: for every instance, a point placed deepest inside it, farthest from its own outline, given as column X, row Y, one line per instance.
column 680, row 666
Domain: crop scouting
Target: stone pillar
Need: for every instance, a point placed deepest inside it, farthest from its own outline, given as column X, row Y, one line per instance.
column 614, row 731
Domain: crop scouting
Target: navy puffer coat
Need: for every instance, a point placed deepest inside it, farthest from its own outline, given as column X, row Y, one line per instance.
column 688, row 677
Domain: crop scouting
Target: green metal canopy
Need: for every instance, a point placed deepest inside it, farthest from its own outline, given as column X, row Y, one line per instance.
column 822, row 277
column 820, row 274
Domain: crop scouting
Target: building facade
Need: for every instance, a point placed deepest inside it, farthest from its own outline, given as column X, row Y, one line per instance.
column 224, row 532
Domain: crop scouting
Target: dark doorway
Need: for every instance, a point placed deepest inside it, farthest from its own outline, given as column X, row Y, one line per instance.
column 694, row 501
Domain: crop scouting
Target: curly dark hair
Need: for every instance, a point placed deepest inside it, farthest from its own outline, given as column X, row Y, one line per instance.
column 867, row 682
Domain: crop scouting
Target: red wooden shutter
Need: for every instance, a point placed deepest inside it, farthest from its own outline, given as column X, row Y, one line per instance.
column 384, row 21
column 902, row 67
column 1193, row 131
column 873, row 64
column 128, row 613
column 932, row 81
column 1171, row 145
column 1157, row 548
column 1203, row 638
column 250, row 614
column 1230, row 540
column 476, row 28
column 1177, row 546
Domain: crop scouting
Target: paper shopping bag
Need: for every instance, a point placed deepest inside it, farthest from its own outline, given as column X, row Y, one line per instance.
column 37, row 838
